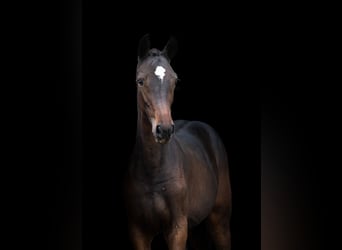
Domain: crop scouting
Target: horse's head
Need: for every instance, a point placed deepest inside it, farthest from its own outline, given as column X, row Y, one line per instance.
column 156, row 83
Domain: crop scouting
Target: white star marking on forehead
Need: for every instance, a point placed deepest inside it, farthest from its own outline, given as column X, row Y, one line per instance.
column 160, row 72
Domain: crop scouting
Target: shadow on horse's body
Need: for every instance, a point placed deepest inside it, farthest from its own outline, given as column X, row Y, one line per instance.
column 178, row 177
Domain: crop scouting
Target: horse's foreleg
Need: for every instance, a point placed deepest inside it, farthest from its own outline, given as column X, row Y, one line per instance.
column 222, row 239
column 140, row 240
column 219, row 230
column 177, row 234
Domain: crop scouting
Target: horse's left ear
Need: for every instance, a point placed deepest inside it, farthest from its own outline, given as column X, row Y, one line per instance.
column 170, row 48
column 144, row 46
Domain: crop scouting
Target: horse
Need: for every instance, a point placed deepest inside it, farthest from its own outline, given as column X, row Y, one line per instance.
column 178, row 175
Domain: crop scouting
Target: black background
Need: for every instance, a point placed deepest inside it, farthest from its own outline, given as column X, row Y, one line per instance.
column 78, row 113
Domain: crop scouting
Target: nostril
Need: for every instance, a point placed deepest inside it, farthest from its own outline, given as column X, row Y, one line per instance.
column 158, row 129
column 172, row 128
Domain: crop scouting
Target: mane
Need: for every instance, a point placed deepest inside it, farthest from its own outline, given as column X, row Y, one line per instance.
column 154, row 52
column 155, row 57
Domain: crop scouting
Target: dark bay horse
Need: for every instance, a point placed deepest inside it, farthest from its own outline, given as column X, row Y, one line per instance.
column 178, row 176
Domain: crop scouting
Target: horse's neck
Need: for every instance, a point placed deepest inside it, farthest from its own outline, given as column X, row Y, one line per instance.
column 153, row 162
column 148, row 151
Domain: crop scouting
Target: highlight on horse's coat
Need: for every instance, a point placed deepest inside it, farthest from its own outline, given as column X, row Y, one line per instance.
column 178, row 178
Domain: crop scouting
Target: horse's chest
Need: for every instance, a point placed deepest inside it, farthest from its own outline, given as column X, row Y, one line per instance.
column 156, row 205
column 156, row 202
column 152, row 210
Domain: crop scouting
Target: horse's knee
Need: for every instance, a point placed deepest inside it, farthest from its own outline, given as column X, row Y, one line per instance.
column 176, row 236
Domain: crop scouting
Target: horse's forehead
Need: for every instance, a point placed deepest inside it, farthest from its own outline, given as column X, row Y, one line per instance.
column 155, row 66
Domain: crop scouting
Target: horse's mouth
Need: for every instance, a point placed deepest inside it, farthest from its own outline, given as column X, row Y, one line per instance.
column 162, row 140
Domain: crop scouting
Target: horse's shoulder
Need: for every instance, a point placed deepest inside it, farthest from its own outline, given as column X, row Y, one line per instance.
column 197, row 132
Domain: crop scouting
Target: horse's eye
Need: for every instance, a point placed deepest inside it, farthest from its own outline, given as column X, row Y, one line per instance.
column 140, row 82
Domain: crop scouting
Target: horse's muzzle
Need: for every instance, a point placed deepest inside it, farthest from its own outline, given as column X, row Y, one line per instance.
column 164, row 133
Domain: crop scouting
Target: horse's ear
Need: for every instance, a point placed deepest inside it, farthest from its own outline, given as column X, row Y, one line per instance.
column 170, row 48
column 144, row 46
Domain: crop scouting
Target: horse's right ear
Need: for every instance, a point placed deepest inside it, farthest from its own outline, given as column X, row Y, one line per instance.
column 170, row 48
column 144, row 46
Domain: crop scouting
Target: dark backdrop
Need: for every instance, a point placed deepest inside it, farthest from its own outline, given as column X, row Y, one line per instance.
column 72, row 115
